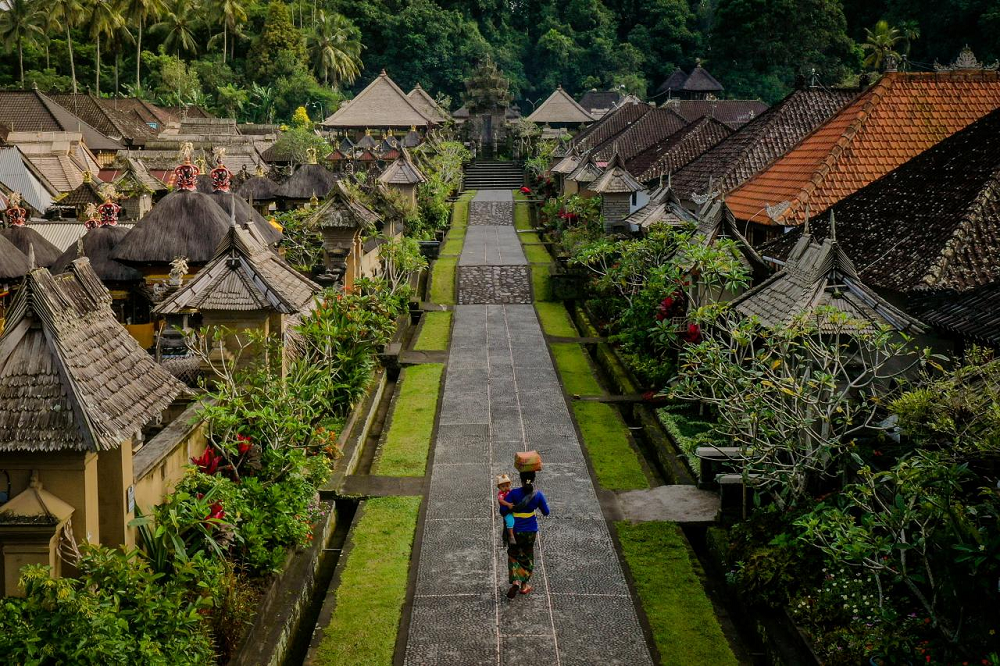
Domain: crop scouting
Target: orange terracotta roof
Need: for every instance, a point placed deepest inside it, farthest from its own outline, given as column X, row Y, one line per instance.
column 901, row 116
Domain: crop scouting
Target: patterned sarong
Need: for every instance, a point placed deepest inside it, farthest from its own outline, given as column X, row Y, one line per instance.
column 521, row 557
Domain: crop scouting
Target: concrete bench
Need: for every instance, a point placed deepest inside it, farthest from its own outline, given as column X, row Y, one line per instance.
column 716, row 459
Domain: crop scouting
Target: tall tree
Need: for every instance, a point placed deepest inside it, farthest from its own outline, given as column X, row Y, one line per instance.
column 21, row 22
column 880, row 45
column 105, row 20
column 138, row 12
column 178, row 27
column 70, row 13
column 279, row 51
column 335, row 48
column 232, row 14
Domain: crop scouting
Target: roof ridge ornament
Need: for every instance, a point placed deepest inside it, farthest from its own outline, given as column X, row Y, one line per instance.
column 222, row 177
column 833, row 227
column 15, row 214
column 107, row 212
column 805, row 225
column 186, row 174
column 91, row 216
column 965, row 61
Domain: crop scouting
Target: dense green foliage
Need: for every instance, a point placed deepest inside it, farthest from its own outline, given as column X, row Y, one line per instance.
column 260, row 60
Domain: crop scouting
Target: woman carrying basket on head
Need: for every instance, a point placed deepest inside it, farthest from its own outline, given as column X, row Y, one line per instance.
column 526, row 500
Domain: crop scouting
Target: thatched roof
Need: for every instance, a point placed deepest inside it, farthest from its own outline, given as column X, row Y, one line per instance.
column 615, row 180
column 402, row 172
column 560, row 109
column 243, row 212
column 343, row 211
column 380, row 104
column 426, row 104
column 258, row 188
column 183, row 224
column 24, row 237
column 71, row 377
column 309, row 180
column 13, row 262
column 97, row 245
column 244, row 276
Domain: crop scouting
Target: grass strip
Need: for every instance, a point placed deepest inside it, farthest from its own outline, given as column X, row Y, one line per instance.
column 530, row 237
column 540, row 282
column 684, row 624
column 408, row 441
column 363, row 627
column 537, row 254
column 606, row 438
column 443, row 280
column 435, row 332
column 453, row 246
column 577, row 376
column 555, row 319
column 522, row 213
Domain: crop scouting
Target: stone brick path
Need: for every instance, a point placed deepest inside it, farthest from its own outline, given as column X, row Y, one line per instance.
column 502, row 395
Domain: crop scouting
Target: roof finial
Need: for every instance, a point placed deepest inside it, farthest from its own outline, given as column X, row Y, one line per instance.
column 232, row 212
column 833, row 227
column 805, row 227
column 32, row 264
column 80, row 252
column 670, row 179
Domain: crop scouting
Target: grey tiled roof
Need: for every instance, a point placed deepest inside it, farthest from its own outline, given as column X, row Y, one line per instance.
column 668, row 156
column 615, row 180
column 343, row 211
column 76, row 380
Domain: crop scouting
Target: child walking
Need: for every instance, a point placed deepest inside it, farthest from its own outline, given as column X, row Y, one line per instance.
column 503, row 488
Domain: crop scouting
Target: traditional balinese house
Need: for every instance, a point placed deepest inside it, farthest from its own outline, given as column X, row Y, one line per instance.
column 818, row 275
column 579, row 181
column 673, row 86
column 137, row 188
column 28, row 112
column 599, row 102
column 129, row 300
column 929, row 231
column 155, row 117
column 427, row 105
column 564, row 166
column 343, row 220
column 76, row 392
column 613, row 123
column 699, row 84
column 663, row 208
column 177, row 237
column 14, row 266
column 24, row 238
column 402, row 175
column 733, row 112
column 753, row 147
column 411, row 139
column 60, row 158
column 246, row 287
column 671, row 154
column 561, row 111
column 101, row 114
column 902, row 115
column 969, row 317
column 381, row 105
column 308, row 184
column 617, row 189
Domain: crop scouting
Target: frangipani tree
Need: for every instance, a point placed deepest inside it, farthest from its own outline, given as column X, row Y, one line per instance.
column 795, row 398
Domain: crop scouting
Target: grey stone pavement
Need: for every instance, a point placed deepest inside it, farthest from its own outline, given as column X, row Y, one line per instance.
column 502, row 395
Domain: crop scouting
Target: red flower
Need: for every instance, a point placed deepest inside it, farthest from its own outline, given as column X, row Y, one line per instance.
column 525, row 190
column 208, row 462
column 243, row 444
column 215, row 512
column 693, row 333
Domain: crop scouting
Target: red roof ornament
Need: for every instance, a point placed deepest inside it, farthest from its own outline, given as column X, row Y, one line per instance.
column 186, row 175
column 108, row 211
column 221, row 175
column 92, row 216
column 15, row 214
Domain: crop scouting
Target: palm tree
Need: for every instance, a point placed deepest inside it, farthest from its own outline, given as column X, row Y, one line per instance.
column 880, row 44
column 105, row 20
column 178, row 26
column 910, row 32
column 70, row 13
column 233, row 14
column 50, row 25
column 138, row 13
column 335, row 46
column 22, row 21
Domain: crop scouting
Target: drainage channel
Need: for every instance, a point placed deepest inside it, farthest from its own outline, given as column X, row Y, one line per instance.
column 299, row 641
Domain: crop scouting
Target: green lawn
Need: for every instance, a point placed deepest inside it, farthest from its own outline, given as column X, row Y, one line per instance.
column 577, row 376
column 615, row 463
column 555, row 319
column 408, row 441
column 443, row 280
column 530, row 237
column 453, row 245
column 522, row 216
column 684, row 625
column 537, row 254
column 362, row 630
column 435, row 332
column 540, row 282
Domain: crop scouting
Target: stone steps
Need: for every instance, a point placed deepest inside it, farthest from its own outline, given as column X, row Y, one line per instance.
column 493, row 176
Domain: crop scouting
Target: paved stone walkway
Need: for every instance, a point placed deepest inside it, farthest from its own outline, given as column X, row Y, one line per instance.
column 502, row 395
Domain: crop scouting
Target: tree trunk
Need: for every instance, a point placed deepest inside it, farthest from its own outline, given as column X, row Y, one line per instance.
column 20, row 59
column 138, row 59
column 72, row 65
column 225, row 39
column 97, row 76
column 118, row 61
column 48, row 65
